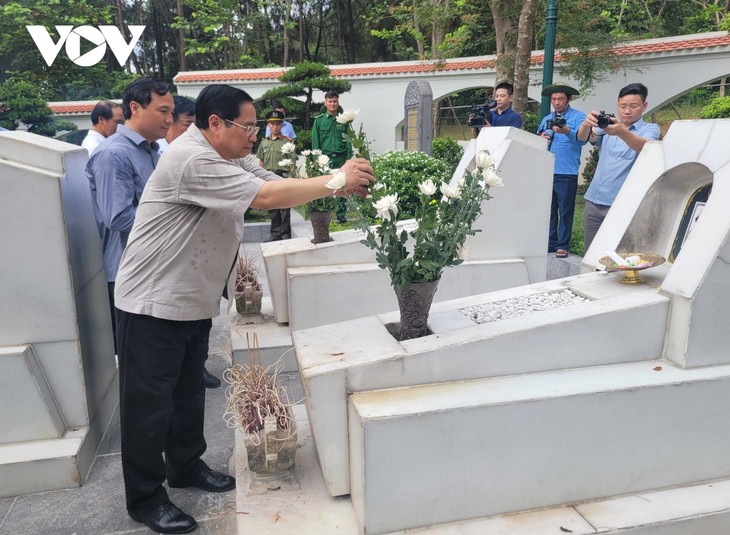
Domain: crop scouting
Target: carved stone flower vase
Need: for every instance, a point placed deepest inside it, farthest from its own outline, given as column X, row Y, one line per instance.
column 415, row 305
column 321, row 226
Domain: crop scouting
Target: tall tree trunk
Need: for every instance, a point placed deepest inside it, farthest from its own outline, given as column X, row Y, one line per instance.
column 338, row 21
column 525, row 31
column 505, row 36
column 302, row 22
column 287, row 20
column 351, row 57
column 181, row 39
column 417, row 27
column 158, row 42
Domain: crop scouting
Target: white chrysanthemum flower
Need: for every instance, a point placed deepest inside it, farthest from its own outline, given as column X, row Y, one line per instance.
column 303, row 172
column 451, row 192
column 461, row 182
column 323, row 160
column 492, row 179
column 378, row 185
column 338, row 180
column 387, row 207
column 484, row 160
column 427, row 187
column 288, row 148
column 286, row 162
column 347, row 116
column 306, row 152
column 315, row 152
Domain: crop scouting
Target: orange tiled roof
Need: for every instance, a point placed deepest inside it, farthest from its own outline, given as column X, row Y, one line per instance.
column 75, row 108
column 59, row 108
column 650, row 47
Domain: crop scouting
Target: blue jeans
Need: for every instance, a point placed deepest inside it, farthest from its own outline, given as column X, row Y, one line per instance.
column 561, row 211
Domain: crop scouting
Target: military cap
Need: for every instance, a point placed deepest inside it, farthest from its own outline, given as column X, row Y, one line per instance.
column 274, row 115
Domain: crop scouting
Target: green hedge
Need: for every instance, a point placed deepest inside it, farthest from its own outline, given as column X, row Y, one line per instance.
column 448, row 151
column 719, row 108
column 403, row 171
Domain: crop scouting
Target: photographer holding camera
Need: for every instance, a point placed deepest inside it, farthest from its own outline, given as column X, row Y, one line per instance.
column 620, row 140
column 497, row 111
column 560, row 129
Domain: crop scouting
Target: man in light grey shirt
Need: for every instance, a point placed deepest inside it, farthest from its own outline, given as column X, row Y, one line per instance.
column 173, row 272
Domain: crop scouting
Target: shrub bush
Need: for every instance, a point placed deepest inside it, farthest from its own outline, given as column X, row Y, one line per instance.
column 402, row 171
column 448, row 151
column 719, row 108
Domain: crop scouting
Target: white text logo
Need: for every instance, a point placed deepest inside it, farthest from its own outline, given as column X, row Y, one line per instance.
column 101, row 37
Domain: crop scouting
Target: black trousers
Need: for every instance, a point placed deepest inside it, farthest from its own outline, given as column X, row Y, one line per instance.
column 280, row 223
column 162, row 403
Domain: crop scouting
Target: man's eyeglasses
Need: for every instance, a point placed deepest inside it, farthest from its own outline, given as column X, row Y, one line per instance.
column 632, row 107
column 250, row 130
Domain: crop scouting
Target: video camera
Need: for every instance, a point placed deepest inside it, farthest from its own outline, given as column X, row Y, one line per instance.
column 604, row 119
column 558, row 120
column 479, row 112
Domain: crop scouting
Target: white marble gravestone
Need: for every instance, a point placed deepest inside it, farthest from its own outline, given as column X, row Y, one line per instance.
column 319, row 284
column 57, row 367
column 623, row 393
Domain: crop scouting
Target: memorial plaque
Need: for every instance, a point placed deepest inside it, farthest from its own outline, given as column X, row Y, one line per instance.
column 419, row 117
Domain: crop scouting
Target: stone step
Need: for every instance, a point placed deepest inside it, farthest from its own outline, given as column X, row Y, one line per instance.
column 274, row 338
column 312, row 288
column 45, row 465
column 449, row 452
column 309, row 509
column 616, row 326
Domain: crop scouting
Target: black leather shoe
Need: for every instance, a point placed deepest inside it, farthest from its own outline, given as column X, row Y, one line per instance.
column 207, row 480
column 210, row 380
column 166, row 518
column 341, row 220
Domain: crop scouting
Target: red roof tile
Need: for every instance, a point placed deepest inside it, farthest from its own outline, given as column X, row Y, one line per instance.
column 655, row 46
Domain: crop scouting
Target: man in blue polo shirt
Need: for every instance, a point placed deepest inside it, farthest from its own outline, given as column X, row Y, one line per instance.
column 560, row 129
column 620, row 144
column 503, row 114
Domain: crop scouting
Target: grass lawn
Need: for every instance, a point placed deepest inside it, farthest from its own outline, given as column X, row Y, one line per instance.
column 576, row 238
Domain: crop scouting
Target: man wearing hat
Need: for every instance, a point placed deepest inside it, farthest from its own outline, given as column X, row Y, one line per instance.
column 560, row 128
column 269, row 155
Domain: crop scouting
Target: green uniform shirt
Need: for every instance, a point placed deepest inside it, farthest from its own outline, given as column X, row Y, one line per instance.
column 327, row 137
column 270, row 153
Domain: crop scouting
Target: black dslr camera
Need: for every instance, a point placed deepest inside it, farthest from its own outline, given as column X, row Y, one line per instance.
column 604, row 119
column 478, row 113
column 558, row 120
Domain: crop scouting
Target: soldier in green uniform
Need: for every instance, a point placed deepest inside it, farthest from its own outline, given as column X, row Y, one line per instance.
column 327, row 137
column 269, row 155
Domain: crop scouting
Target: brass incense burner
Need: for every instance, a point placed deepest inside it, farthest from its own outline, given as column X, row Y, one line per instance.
column 631, row 273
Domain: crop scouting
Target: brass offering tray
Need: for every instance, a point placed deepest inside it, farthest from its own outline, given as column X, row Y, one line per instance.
column 631, row 273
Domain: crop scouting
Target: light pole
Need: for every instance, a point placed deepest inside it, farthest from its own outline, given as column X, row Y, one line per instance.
column 551, row 24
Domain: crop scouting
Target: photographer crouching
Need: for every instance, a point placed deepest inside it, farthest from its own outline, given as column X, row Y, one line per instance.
column 620, row 140
column 560, row 129
column 496, row 111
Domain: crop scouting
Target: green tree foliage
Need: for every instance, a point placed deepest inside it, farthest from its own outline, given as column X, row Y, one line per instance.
column 448, row 151
column 21, row 104
column 719, row 108
column 303, row 80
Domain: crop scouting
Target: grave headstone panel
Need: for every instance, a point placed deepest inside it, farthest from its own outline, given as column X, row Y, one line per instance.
column 419, row 117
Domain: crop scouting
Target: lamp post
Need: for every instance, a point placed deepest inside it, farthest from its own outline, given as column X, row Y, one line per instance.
column 551, row 24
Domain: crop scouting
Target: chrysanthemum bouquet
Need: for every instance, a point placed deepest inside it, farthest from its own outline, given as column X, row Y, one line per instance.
column 444, row 219
column 309, row 164
column 359, row 141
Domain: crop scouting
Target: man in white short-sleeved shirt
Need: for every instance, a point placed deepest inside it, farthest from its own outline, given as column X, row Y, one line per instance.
column 185, row 238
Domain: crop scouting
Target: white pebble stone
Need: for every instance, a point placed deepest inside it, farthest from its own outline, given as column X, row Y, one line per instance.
column 519, row 306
